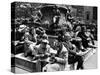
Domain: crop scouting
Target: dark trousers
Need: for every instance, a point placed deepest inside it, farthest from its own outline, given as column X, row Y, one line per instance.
column 78, row 59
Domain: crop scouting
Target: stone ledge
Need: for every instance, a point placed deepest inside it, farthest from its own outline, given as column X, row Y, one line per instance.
column 24, row 63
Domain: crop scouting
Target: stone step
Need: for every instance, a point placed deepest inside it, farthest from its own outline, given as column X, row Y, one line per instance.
column 89, row 54
column 26, row 64
column 35, row 66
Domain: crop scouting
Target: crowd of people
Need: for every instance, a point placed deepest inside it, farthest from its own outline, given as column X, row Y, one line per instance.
column 69, row 47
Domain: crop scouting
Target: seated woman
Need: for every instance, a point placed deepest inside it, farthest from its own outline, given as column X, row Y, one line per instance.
column 90, row 39
column 40, row 34
column 41, row 52
column 28, row 41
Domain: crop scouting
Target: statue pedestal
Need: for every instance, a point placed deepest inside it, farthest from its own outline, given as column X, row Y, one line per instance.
column 26, row 64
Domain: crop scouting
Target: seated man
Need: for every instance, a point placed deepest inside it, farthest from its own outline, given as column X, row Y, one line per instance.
column 59, row 61
column 77, row 41
column 85, row 38
column 73, row 55
column 39, row 36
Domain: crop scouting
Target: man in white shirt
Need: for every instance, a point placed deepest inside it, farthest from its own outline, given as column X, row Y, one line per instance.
column 59, row 61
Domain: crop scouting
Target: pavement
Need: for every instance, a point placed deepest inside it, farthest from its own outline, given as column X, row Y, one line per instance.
column 91, row 63
column 20, row 71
